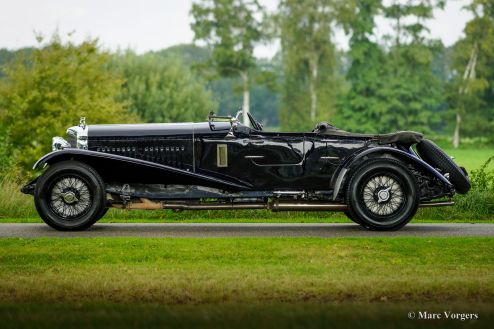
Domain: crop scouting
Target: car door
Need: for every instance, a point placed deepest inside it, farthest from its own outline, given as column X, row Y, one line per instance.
column 275, row 160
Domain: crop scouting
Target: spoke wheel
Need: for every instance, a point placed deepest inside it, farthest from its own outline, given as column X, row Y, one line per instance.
column 70, row 196
column 382, row 195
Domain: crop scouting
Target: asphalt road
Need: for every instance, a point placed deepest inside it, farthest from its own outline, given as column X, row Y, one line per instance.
column 246, row 230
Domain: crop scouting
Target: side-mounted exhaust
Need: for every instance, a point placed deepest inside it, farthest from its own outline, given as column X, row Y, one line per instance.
column 276, row 205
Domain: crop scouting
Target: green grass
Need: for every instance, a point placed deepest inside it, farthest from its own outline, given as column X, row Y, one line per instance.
column 243, row 282
column 471, row 159
column 171, row 271
column 257, row 216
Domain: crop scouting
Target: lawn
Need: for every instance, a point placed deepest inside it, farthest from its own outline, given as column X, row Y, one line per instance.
column 246, row 270
column 471, row 159
column 300, row 281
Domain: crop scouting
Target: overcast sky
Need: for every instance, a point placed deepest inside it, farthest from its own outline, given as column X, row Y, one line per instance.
column 145, row 25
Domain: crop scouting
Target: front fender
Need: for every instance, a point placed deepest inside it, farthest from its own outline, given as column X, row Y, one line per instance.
column 408, row 155
column 117, row 168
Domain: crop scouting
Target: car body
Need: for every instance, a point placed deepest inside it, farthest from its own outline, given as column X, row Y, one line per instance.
column 379, row 181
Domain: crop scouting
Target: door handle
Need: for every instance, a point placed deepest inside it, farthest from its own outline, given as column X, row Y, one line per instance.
column 254, row 156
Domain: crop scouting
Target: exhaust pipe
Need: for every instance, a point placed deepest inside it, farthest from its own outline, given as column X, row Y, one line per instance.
column 276, row 205
column 436, row 204
column 146, row 204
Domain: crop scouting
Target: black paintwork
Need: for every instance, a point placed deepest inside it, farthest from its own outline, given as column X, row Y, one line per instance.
column 186, row 154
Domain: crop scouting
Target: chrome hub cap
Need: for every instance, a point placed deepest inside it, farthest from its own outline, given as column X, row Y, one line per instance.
column 383, row 195
column 70, row 197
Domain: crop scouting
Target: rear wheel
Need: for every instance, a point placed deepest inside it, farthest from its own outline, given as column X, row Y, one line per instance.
column 382, row 195
column 69, row 196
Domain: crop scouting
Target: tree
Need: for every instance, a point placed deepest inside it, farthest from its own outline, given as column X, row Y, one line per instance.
column 161, row 89
column 231, row 28
column 412, row 94
column 226, row 91
column 309, row 59
column 472, row 92
column 49, row 90
column 360, row 107
column 393, row 87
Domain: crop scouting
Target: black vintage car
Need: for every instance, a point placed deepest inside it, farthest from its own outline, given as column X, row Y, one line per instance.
column 377, row 180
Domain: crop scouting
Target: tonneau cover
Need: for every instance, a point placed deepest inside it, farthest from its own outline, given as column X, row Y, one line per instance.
column 399, row 137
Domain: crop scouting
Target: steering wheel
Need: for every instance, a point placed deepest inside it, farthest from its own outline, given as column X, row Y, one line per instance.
column 255, row 124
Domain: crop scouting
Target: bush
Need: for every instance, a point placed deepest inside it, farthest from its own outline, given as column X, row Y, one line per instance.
column 14, row 204
column 483, row 179
column 478, row 203
column 48, row 91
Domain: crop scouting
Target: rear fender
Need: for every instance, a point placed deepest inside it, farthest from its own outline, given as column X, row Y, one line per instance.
column 117, row 168
column 406, row 155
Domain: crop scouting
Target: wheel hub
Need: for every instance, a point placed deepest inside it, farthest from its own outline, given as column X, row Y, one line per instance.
column 70, row 197
column 383, row 195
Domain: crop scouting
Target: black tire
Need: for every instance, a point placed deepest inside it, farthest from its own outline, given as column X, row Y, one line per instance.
column 70, row 196
column 103, row 213
column 433, row 155
column 382, row 194
column 351, row 217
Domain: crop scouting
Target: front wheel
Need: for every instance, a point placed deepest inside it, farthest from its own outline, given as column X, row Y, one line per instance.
column 382, row 195
column 69, row 196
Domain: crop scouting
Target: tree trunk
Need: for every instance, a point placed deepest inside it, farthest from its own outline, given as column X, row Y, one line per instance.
column 456, row 135
column 246, row 98
column 467, row 76
column 312, row 88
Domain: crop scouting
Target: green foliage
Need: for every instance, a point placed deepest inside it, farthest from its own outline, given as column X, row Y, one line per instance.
column 189, row 54
column 6, row 56
column 483, row 178
column 232, row 29
column 311, row 80
column 396, row 88
column 161, row 89
column 361, row 106
column 476, row 102
column 49, row 90
column 225, row 91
